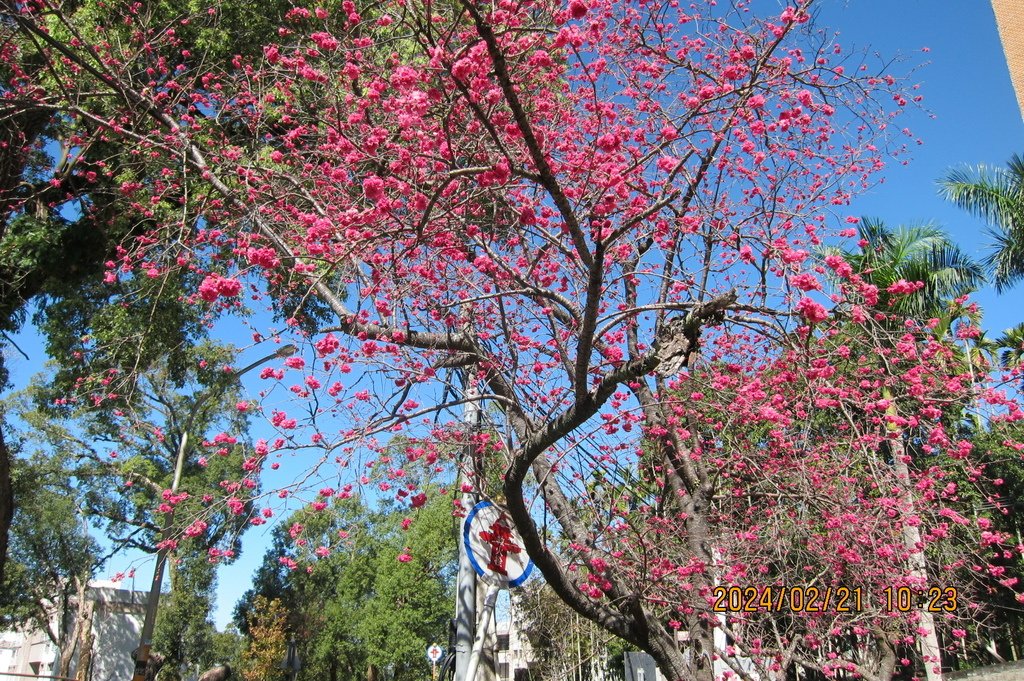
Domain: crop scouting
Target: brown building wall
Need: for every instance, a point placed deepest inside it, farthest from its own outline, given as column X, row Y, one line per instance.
column 1010, row 19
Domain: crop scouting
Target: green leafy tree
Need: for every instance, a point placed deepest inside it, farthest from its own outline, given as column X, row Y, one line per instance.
column 270, row 581
column 322, row 606
column 52, row 559
column 228, row 646
column 69, row 204
column 122, row 464
column 73, row 204
column 123, row 457
column 375, row 596
column 413, row 593
column 62, row 217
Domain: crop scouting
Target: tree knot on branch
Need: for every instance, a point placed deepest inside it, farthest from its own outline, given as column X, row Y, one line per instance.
column 678, row 338
column 458, row 360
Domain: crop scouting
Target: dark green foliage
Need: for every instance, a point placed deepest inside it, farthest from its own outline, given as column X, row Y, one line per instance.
column 270, row 581
column 227, row 648
column 51, row 553
column 184, row 631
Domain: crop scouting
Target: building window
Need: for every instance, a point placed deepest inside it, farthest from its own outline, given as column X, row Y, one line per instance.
column 502, row 641
column 641, row 674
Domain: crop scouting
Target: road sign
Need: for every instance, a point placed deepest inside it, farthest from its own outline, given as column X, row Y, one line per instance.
column 434, row 653
column 495, row 549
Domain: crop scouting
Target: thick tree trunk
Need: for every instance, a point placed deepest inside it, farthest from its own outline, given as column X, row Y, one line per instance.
column 702, row 635
column 887, row 663
column 86, row 640
column 674, row 663
column 929, row 641
column 65, row 656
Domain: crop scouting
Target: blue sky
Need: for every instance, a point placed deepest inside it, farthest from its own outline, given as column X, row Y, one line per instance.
column 966, row 87
column 973, row 119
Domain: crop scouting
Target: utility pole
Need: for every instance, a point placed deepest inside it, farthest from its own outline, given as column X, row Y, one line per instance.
column 465, row 599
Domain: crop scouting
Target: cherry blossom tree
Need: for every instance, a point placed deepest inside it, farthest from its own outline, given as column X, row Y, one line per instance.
column 596, row 225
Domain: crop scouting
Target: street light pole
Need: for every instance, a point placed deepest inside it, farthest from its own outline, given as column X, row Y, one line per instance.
column 153, row 601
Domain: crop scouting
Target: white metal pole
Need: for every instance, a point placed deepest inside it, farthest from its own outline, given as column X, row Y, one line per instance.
column 481, row 635
column 465, row 600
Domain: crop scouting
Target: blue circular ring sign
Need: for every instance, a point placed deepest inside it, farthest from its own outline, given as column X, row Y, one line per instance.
column 494, row 548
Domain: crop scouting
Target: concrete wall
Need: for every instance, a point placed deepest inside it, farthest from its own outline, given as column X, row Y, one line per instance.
column 117, row 623
column 1011, row 671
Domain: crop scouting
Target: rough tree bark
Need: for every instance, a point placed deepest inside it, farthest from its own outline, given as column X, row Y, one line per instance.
column 86, row 640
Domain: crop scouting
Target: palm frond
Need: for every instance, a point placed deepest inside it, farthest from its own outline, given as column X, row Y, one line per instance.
column 1011, row 344
column 1006, row 258
column 922, row 252
column 993, row 194
column 1016, row 168
column 996, row 195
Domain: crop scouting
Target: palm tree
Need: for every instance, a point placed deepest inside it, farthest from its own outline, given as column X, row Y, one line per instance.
column 1011, row 344
column 997, row 196
column 918, row 253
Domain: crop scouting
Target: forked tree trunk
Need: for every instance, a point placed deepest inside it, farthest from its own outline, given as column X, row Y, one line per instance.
column 69, row 642
column 675, row 665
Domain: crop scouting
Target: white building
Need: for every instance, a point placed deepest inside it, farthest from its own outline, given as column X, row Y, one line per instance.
column 512, row 654
column 116, row 626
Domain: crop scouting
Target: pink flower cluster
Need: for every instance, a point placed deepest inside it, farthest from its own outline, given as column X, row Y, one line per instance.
column 215, row 286
column 811, row 311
